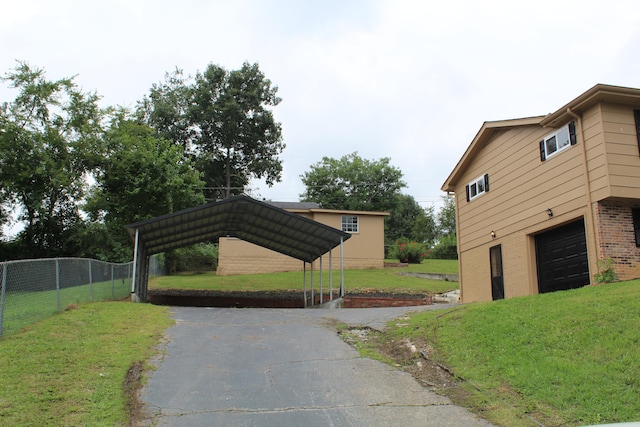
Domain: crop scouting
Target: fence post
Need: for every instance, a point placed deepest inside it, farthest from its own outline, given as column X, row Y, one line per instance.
column 113, row 292
column 5, row 267
column 90, row 282
column 58, row 280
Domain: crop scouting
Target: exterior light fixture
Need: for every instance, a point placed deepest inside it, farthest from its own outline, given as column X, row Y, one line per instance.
column 493, row 234
column 549, row 212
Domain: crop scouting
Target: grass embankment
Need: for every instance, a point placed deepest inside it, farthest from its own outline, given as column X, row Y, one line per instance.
column 70, row 369
column 561, row 359
column 383, row 280
column 24, row 308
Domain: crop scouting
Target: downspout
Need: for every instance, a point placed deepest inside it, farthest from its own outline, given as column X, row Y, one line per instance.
column 590, row 217
column 457, row 210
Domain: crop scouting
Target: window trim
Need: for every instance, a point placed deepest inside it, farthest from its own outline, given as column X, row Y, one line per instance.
column 348, row 227
column 635, row 215
column 570, row 129
column 483, row 181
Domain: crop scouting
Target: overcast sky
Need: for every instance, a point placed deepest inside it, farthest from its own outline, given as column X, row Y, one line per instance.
column 407, row 79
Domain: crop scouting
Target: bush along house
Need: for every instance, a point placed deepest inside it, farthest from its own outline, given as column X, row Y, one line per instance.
column 543, row 202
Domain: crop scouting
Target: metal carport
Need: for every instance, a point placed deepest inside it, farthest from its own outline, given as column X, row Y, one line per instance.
column 240, row 216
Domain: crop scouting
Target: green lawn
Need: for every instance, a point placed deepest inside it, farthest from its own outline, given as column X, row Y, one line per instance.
column 70, row 368
column 388, row 280
column 563, row 359
column 24, row 308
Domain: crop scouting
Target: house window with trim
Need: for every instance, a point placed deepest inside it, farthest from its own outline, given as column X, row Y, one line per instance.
column 558, row 141
column 350, row 223
column 635, row 212
column 477, row 187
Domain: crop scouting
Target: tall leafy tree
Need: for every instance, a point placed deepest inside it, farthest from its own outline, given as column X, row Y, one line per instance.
column 402, row 219
column 447, row 217
column 166, row 109
column 425, row 229
column 353, row 183
column 141, row 177
column 47, row 137
column 223, row 119
column 446, row 245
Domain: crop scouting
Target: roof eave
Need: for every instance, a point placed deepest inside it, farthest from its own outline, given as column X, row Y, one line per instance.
column 484, row 134
column 336, row 211
column 598, row 93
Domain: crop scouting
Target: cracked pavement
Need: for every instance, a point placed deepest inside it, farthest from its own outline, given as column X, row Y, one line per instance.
column 284, row 367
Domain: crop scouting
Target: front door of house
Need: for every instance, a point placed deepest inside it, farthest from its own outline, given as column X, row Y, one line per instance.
column 497, row 281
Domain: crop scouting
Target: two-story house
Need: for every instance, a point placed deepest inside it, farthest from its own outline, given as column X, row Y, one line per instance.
column 540, row 200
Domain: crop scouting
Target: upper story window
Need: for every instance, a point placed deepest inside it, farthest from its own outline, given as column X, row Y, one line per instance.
column 558, row 141
column 635, row 213
column 477, row 187
column 350, row 223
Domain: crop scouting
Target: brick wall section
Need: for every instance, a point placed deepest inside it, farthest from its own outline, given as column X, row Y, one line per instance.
column 616, row 239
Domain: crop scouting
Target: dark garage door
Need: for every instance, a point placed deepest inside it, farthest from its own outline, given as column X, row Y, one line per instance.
column 562, row 258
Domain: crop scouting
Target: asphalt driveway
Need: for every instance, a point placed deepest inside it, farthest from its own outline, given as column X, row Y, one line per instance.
column 284, row 367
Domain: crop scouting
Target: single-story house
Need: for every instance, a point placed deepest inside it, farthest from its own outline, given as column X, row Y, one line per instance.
column 365, row 248
column 540, row 200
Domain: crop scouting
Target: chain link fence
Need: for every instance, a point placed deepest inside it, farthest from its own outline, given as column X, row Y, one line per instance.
column 32, row 290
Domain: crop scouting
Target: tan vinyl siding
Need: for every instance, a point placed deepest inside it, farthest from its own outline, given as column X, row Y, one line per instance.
column 596, row 154
column 520, row 190
column 623, row 156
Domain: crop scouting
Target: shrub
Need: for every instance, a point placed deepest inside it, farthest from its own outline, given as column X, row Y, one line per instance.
column 410, row 252
column 606, row 273
column 446, row 248
column 196, row 258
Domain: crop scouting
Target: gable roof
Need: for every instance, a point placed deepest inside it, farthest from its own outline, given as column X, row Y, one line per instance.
column 598, row 93
column 241, row 216
column 483, row 136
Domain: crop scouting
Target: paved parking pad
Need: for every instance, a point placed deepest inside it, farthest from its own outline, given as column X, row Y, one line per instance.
column 284, row 367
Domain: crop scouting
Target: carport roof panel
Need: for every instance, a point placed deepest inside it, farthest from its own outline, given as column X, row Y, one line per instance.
column 257, row 222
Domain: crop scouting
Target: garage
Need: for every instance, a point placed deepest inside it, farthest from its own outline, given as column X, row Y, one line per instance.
column 561, row 256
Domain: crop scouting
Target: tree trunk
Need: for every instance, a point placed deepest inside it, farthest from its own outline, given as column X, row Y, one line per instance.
column 228, row 174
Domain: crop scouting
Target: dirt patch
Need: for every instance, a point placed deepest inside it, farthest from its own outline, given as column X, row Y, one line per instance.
column 131, row 387
column 414, row 358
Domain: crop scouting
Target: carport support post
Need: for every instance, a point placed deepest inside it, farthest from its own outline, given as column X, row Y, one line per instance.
column 304, row 282
column 341, row 267
column 135, row 265
column 330, row 276
column 312, row 295
column 321, row 279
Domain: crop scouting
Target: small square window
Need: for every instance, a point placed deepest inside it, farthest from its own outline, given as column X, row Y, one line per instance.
column 558, row 141
column 350, row 223
column 477, row 187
